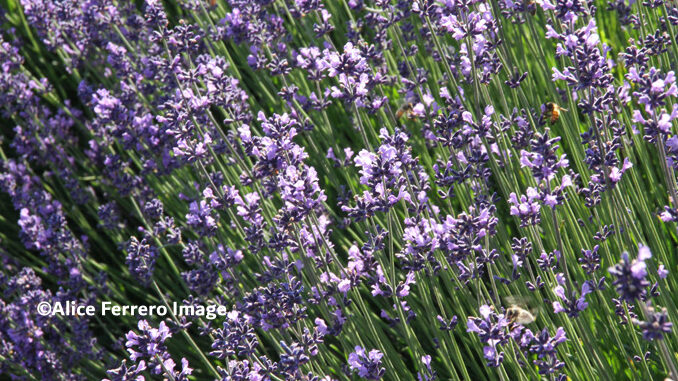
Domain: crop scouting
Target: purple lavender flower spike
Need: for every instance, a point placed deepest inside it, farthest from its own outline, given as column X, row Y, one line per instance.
column 367, row 365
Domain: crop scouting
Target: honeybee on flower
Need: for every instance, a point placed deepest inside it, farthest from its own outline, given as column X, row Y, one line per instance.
column 551, row 112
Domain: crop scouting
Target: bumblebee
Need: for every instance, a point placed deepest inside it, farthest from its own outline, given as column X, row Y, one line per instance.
column 552, row 112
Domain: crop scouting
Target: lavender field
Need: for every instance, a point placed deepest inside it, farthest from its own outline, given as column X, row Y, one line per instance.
column 327, row 190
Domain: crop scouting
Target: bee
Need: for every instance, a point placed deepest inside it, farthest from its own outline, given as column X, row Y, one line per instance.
column 532, row 7
column 213, row 3
column 405, row 109
column 264, row 167
column 552, row 112
column 518, row 313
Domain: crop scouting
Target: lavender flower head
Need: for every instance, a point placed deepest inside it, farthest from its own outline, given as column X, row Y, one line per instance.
column 367, row 365
column 571, row 305
column 630, row 276
column 657, row 324
column 491, row 329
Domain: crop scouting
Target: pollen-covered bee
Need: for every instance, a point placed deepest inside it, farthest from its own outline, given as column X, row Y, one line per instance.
column 552, row 112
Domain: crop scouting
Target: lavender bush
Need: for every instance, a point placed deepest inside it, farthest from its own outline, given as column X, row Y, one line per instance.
column 366, row 186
